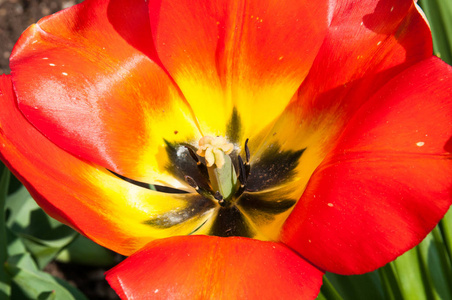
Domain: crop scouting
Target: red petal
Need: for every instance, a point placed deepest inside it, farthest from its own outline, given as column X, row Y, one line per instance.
column 388, row 181
column 201, row 267
column 114, row 213
column 82, row 79
column 251, row 55
column 368, row 43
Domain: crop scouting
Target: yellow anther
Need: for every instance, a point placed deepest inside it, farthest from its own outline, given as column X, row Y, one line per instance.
column 213, row 150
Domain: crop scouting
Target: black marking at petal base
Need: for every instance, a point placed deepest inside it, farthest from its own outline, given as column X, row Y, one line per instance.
column 197, row 228
column 230, row 222
column 197, row 206
column 138, row 183
column 234, row 126
column 261, row 203
column 182, row 164
column 273, row 168
column 159, row 188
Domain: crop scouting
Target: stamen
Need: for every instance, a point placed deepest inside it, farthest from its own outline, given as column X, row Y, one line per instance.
column 193, row 155
column 247, row 151
column 201, row 167
column 191, row 182
column 247, row 163
column 203, row 192
column 213, row 149
column 242, row 172
column 219, row 198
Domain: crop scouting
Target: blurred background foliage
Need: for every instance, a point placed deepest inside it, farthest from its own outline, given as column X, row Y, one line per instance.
column 40, row 254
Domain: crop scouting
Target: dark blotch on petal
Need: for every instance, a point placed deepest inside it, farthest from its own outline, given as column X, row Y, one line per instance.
column 233, row 128
column 231, row 222
column 196, row 207
column 260, row 203
column 273, row 168
column 160, row 188
column 183, row 165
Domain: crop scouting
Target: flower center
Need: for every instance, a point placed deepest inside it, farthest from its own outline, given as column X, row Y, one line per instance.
column 225, row 185
column 222, row 175
column 251, row 202
column 214, row 150
column 249, row 197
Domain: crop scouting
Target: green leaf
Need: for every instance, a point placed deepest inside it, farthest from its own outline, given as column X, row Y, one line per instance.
column 437, row 266
column 366, row 286
column 327, row 291
column 439, row 15
column 390, row 283
column 409, row 270
column 43, row 236
column 86, row 252
column 15, row 244
column 47, row 295
column 5, row 286
column 321, row 296
column 446, row 232
column 43, row 254
column 17, row 204
column 35, row 284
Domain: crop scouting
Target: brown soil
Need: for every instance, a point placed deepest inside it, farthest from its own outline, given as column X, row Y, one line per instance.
column 17, row 15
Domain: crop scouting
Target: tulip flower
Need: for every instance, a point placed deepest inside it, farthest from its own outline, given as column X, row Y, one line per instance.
column 235, row 149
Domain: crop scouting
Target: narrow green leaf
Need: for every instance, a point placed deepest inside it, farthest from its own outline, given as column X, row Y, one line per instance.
column 445, row 11
column 327, row 291
column 390, row 282
column 321, row 296
column 366, row 286
column 409, row 272
column 446, row 232
column 437, row 266
column 5, row 281
column 439, row 15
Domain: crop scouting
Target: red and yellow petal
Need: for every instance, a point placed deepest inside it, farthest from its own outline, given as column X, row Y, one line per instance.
column 248, row 55
column 387, row 182
column 93, row 86
column 201, row 267
column 112, row 212
column 368, row 43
